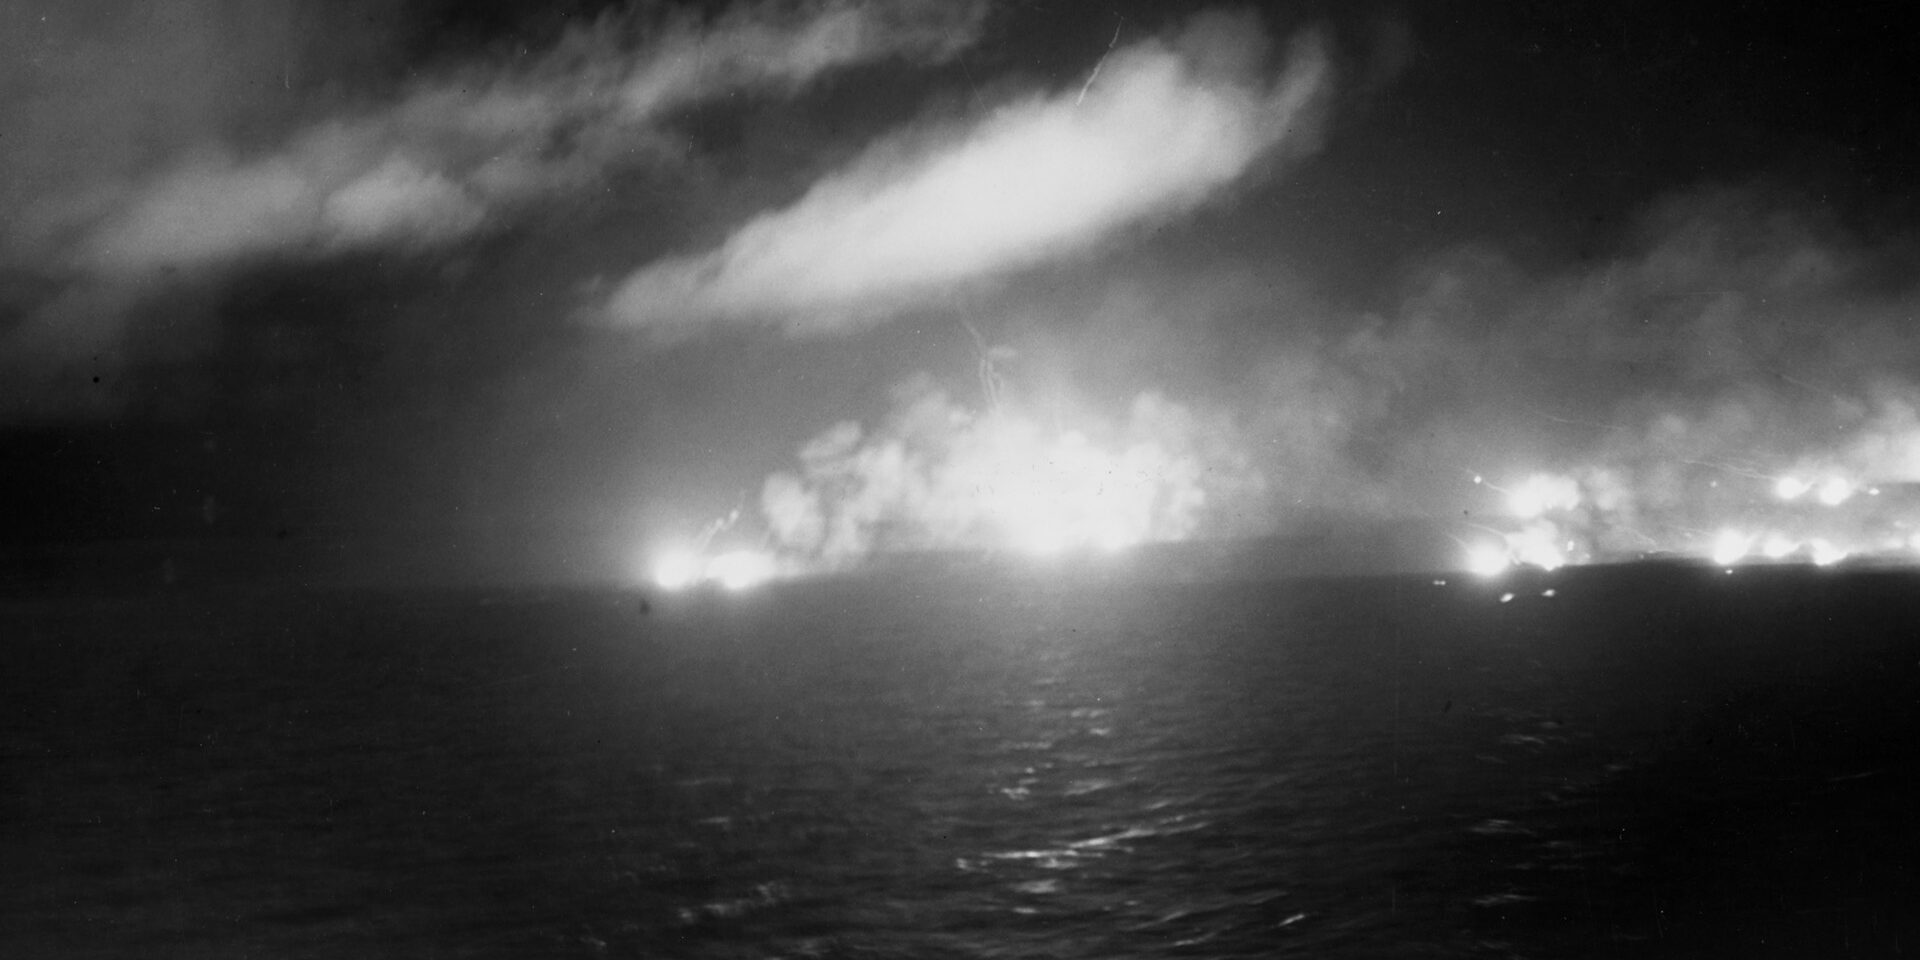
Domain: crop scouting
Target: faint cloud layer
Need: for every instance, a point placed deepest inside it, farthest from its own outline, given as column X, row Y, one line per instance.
column 435, row 164
column 138, row 171
column 1163, row 126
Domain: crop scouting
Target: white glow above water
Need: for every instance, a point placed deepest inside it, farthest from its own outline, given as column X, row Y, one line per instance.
column 1067, row 495
column 939, row 475
column 1541, row 494
column 1537, row 546
column 677, row 569
column 1487, row 560
column 682, row 568
column 741, row 569
column 1730, row 547
column 1825, row 511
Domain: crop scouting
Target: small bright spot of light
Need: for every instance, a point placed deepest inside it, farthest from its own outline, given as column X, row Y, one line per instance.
column 1549, row 592
column 1790, row 488
column 1835, row 491
column 1488, row 561
column 1506, row 598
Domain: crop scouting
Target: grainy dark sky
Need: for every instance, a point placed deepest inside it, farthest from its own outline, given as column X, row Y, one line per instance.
column 529, row 286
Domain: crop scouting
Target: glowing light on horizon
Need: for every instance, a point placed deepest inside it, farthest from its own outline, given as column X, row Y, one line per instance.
column 1819, row 515
column 1487, row 560
column 1537, row 546
column 682, row 568
column 1047, row 499
column 1542, row 494
column 1050, row 496
column 1730, row 547
column 937, row 474
column 677, row 569
column 741, row 569
column 1825, row 554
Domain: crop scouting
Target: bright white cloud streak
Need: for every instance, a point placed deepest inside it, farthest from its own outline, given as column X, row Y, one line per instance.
column 433, row 165
column 1163, row 127
column 129, row 179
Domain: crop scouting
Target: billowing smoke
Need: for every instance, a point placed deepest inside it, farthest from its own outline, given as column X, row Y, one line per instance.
column 1738, row 383
column 936, row 474
column 1737, row 366
column 1752, row 474
column 1161, row 127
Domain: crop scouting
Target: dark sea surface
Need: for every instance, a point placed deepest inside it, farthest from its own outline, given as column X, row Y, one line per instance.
column 1650, row 761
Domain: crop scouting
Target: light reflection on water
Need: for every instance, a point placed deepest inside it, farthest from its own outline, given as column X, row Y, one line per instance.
column 982, row 769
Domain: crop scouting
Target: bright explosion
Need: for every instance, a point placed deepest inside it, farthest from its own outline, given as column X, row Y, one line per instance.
column 937, row 475
column 682, row 568
column 1554, row 520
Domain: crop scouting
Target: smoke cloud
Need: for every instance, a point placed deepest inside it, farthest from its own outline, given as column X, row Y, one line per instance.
column 936, row 474
column 1161, row 127
column 1742, row 347
column 1646, row 403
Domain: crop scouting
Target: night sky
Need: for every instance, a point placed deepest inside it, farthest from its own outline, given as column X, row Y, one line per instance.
column 523, row 289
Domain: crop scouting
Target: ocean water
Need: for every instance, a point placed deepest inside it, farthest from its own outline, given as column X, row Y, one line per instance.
column 1631, row 761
